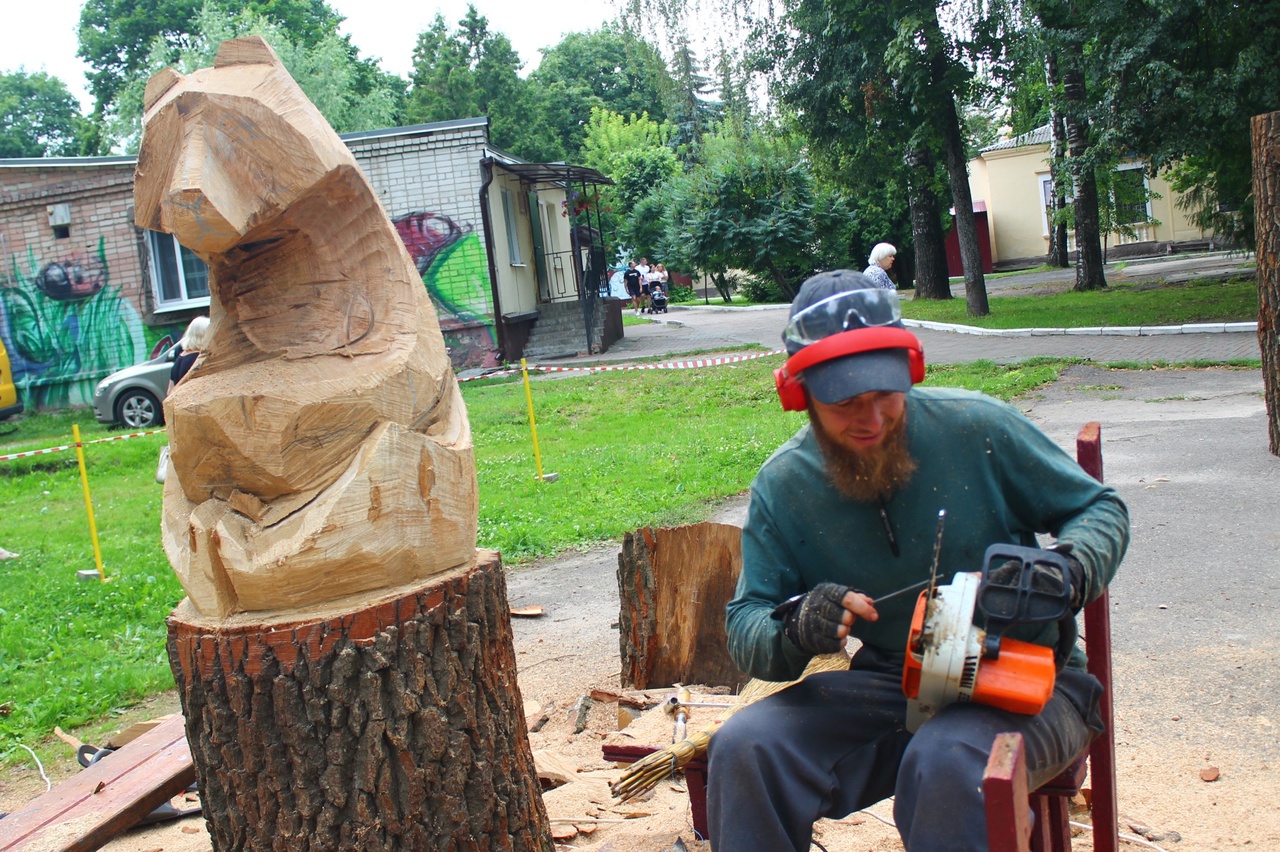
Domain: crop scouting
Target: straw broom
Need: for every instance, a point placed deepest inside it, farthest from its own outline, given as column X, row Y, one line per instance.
column 643, row 775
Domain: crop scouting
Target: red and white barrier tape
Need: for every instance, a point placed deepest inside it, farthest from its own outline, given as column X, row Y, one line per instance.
column 534, row 368
column 669, row 365
column 73, row 446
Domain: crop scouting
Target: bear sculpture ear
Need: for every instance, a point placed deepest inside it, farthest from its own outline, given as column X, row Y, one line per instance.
column 160, row 82
column 250, row 50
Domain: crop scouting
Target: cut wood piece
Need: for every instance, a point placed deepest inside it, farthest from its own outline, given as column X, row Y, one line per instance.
column 395, row 724
column 673, row 585
column 320, row 446
column 527, row 611
column 554, row 769
column 107, row 798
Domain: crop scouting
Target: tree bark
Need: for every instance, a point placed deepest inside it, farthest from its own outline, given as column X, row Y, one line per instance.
column 1266, row 193
column 975, row 285
column 926, row 229
column 673, row 586
column 393, row 725
column 1089, row 265
column 1058, row 253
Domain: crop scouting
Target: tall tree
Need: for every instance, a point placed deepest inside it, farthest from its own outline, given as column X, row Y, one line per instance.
column 691, row 109
column 831, row 67
column 473, row 71
column 609, row 69
column 117, row 37
column 38, row 115
column 326, row 71
column 925, row 63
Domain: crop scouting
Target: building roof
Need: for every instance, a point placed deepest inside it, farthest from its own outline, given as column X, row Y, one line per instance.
column 555, row 173
column 1042, row 135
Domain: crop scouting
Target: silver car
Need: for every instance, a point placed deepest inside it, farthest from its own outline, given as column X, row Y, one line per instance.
column 132, row 397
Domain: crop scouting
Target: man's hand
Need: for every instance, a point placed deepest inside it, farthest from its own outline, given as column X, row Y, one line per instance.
column 819, row 621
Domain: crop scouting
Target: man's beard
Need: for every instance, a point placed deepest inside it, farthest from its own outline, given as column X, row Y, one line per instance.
column 870, row 477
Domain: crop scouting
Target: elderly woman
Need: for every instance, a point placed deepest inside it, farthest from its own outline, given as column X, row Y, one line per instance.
column 189, row 349
column 880, row 260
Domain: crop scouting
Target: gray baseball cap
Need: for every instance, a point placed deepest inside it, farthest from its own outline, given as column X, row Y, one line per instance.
column 842, row 300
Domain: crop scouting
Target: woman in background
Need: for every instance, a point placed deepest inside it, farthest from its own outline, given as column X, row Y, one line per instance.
column 189, row 349
column 882, row 257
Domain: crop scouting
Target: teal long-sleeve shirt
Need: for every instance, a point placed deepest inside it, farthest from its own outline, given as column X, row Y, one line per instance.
column 1000, row 480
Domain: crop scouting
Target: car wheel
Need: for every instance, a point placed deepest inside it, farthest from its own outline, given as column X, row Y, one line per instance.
column 138, row 409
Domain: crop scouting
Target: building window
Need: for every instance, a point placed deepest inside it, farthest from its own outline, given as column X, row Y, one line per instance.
column 1131, row 195
column 513, row 237
column 179, row 278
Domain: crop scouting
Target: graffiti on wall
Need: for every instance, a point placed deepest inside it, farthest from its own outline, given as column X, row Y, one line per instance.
column 64, row 328
column 455, row 270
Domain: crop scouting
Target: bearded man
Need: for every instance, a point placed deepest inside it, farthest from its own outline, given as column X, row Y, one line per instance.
column 844, row 513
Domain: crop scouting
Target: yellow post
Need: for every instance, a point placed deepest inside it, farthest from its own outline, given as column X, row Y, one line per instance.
column 533, row 425
column 88, row 504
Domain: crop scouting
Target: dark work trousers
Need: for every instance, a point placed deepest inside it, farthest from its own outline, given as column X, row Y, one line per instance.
column 837, row 742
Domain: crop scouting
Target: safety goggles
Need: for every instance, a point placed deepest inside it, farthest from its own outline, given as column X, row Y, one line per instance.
column 845, row 311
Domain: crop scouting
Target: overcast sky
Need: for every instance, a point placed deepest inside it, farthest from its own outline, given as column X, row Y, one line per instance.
column 42, row 35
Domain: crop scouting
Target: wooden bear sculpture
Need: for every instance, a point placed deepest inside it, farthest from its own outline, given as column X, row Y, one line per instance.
column 320, row 447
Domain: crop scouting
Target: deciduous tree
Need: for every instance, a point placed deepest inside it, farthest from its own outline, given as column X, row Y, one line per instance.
column 38, row 115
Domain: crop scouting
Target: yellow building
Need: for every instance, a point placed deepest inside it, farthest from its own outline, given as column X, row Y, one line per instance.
column 1012, row 178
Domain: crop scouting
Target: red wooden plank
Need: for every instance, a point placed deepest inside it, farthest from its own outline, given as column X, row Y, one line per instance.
column 1004, row 788
column 108, row 797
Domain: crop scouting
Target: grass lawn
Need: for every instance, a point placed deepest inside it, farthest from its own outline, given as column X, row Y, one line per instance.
column 634, row 448
column 1235, row 300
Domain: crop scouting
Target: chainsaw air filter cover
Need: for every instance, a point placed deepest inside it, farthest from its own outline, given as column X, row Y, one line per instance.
column 1017, row 589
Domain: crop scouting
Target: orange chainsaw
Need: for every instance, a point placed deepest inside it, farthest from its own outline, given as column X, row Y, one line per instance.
column 950, row 658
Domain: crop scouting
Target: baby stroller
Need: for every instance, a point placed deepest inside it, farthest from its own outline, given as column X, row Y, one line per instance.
column 657, row 300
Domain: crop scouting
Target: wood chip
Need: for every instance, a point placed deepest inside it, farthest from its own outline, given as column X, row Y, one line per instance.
column 527, row 611
column 563, row 832
column 1209, row 773
column 191, row 829
column 554, row 769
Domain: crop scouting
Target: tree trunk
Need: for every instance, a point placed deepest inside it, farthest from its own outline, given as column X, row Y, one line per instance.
column 926, row 229
column 1266, row 193
column 673, row 586
column 975, row 285
column 393, row 725
column 1058, row 254
column 1089, row 266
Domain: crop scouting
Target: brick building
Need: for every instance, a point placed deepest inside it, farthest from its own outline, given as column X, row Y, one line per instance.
column 85, row 292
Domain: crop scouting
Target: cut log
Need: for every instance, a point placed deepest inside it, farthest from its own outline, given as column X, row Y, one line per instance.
column 673, row 587
column 392, row 725
column 324, row 399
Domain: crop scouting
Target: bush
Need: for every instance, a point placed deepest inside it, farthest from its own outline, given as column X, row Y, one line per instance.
column 762, row 290
column 680, row 294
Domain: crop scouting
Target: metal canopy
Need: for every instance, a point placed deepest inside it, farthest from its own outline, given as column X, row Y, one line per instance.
column 555, row 173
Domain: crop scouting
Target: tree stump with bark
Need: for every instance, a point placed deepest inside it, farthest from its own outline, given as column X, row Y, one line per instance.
column 394, row 724
column 673, row 586
column 1266, row 193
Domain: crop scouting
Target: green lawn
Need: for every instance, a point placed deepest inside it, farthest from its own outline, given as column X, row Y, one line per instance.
column 634, row 448
column 1235, row 300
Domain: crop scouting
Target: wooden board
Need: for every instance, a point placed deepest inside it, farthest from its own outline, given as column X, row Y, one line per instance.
column 107, row 798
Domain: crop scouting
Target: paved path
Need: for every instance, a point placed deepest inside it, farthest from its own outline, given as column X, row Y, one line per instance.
column 698, row 327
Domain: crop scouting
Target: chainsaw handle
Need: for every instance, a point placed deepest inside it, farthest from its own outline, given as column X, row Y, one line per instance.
column 1029, row 596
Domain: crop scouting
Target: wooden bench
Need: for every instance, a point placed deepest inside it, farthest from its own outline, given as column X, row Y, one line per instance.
column 108, row 797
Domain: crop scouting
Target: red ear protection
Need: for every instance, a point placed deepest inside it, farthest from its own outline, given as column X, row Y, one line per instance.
column 791, row 390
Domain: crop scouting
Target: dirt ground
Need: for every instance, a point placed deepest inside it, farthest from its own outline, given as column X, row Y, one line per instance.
column 1194, row 655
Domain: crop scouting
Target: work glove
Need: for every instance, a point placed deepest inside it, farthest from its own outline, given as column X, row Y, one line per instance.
column 811, row 621
column 1048, row 578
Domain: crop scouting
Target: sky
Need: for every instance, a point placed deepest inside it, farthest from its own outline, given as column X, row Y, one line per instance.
column 41, row 36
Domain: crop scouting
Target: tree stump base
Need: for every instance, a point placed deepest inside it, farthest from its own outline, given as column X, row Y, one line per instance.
column 386, row 724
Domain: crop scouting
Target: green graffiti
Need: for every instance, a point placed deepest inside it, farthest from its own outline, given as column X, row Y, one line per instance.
column 69, row 328
column 458, row 279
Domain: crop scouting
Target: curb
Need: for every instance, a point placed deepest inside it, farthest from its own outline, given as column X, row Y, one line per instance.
column 1115, row 331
